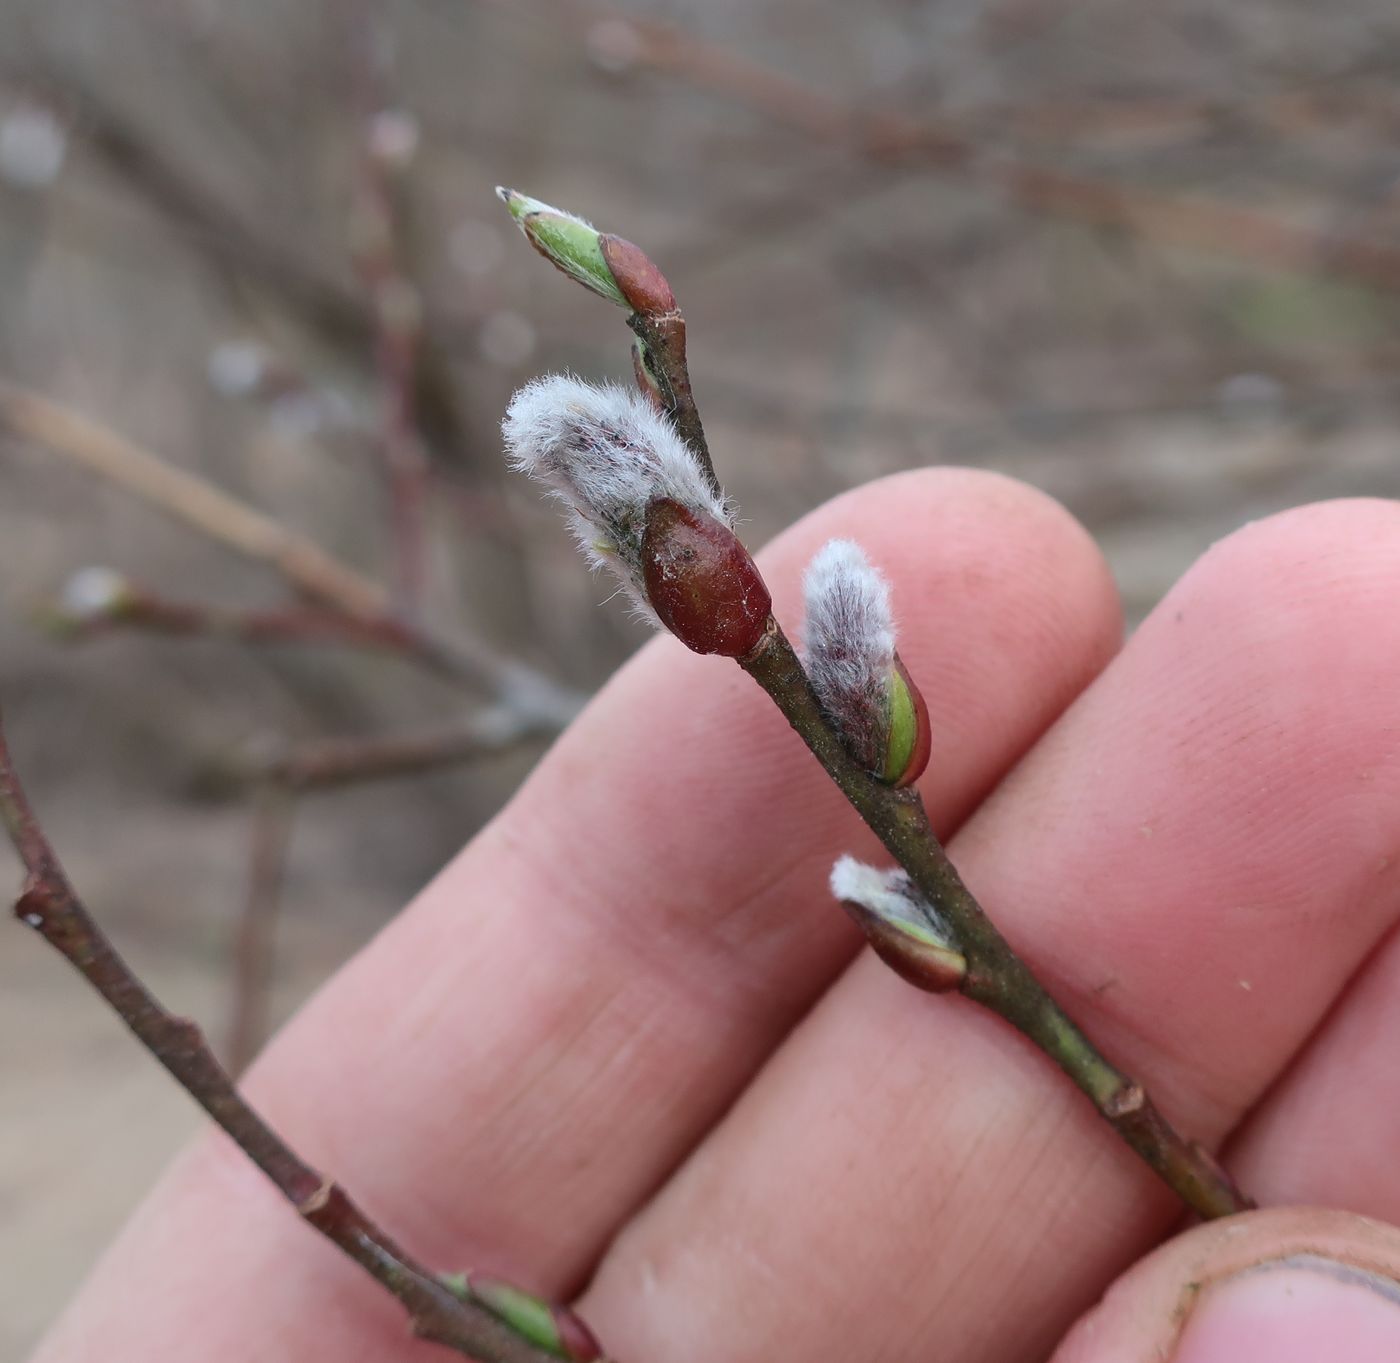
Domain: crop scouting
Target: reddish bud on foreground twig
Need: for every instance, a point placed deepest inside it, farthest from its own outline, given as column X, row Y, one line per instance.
column 641, row 506
column 637, row 277
column 611, row 266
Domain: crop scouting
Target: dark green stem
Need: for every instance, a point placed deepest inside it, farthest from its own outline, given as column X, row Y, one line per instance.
column 996, row 978
column 663, row 353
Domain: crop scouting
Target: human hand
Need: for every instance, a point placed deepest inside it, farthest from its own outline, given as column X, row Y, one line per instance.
column 626, row 1047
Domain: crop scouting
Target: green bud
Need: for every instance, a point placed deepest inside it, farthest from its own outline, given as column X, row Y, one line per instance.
column 909, row 740
column 553, row 1328
column 569, row 243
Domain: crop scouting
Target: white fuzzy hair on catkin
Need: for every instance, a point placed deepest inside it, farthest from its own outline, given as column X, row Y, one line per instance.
column 849, row 644
column 607, row 454
column 889, row 894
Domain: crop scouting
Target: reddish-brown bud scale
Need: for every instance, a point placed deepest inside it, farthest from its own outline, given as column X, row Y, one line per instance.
column 575, row 1338
column 701, row 581
column 640, row 282
column 933, row 967
column 923, row 743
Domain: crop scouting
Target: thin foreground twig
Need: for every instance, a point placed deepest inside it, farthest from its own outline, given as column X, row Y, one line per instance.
column 52, row 908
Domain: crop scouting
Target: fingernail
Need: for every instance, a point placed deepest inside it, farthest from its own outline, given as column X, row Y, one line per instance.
column 1303, row 1309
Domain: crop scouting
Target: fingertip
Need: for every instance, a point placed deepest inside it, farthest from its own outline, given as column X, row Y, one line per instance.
column 1288, row 1285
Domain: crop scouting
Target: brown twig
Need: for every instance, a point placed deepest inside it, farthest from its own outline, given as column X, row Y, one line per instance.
column 321, row 764
column 243, row 254
column 996, row 977
column 326, row 762
column 193, row 500
column 305, row 565
column 51, row 907
column 273, row 811
column 141, row 608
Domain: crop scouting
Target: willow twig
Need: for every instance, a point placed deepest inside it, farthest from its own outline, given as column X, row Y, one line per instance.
column 191, row 499
column 377, row 250
column 996, row 977
column 52, row 908
column 950, row 147
column 325, row 762
column 273, row 811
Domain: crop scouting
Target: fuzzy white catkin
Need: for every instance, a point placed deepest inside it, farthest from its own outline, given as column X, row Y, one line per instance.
column 849, row 644
column 889, row 894
column 607, row 454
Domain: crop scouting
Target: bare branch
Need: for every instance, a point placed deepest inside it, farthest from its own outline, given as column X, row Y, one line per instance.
column 243, row 254
column 951, row 147
column 273, row 811
column 140, row 608
column 258, row 536
column 193, row 500
column 51, row 907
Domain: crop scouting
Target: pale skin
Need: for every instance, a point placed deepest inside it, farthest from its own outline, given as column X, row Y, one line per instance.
column 625, row 1051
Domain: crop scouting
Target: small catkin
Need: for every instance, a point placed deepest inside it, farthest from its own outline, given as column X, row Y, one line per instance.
column 849, row 644
column 608, row 455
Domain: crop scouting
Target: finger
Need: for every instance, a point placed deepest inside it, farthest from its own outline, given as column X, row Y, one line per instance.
column 1188, row 858
column 1328, row 1132
column 1297, row 1285
column 518, row 1060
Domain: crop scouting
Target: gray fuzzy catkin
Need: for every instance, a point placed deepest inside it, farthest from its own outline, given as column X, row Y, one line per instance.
column 849, row 644
column 607, row 454
column 889, row 894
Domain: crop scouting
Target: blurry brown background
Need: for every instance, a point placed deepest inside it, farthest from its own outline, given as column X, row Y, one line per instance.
column 963, row 219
